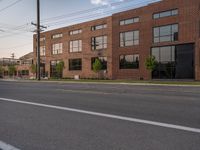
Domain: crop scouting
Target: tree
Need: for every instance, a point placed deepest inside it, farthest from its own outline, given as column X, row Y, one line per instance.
column 97, row 66
column 1, row 71
column 33, row 68
column 151, row 63
column 11, row 70
column 59, row 69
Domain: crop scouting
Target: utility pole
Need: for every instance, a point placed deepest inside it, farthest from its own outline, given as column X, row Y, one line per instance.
column 38, row 40
column 38, row 30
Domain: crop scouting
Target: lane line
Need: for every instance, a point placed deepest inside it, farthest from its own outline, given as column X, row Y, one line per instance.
column 136, row 120
column 5, row 146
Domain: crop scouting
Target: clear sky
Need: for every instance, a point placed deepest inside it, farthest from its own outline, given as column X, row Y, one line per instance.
column 16, row 31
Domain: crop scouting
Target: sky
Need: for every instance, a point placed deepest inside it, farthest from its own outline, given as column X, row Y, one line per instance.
column 16, row 31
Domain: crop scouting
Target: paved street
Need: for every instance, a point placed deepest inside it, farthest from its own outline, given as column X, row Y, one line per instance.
column 99, row 117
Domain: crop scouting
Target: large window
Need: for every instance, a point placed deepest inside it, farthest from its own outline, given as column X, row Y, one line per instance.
column 129, row 21
column 55, row 36
column 174, row 62
column 73, row 32
column 165, row 14
column 167, row 33
column 75, row 64
column 103, row 61
column 98, row 27
column 129, row 38
column 57, row 48
column 42, row 50
column 129, row 61
column 76, row 46
column 99, row 42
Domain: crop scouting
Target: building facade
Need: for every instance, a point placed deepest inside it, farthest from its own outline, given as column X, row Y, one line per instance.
column 168, row 30
column 22, row 66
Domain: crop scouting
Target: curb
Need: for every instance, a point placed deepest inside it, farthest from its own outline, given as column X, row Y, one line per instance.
column 108, row 83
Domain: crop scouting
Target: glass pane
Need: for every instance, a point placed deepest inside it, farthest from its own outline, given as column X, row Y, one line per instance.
column 129, row 36
column 155, row 53
column 156, row 32
column 165, row 54
column 129, row 43
column 136, row 35
column 128, row 21
column 165, row 14
column 156, row 16
column 173, row 53
column 175, row 12
column 174, row 28
column 165, row 38
column 165, row 30
column 156, row 40
column 136, row 19
column 122, row 22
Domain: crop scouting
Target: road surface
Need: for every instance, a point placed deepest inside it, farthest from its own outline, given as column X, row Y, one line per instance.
column 74, row 116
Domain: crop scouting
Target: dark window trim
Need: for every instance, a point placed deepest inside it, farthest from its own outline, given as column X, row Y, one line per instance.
column 163, row 12
column 129, row 19
column 129, row 68
column 95, row 46
column 69, row 68
column 80, row 51
column 164, row 36
column 124, row 37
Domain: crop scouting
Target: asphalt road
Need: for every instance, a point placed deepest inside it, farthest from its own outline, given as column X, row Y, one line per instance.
column 95, row 123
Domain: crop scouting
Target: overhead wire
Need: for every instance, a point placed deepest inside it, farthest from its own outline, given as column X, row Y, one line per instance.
column 96, row 15
column 12, row 4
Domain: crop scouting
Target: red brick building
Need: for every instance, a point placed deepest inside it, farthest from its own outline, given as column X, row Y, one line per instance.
column 168, row 30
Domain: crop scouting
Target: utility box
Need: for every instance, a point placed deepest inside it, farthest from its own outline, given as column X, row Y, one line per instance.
column 76, row 77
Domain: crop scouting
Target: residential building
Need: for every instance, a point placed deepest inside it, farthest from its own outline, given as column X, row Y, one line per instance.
column 22, row 65
column 168, row 30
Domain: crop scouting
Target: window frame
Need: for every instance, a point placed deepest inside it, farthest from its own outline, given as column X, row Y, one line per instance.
column 77, row 68
column 174, row 36
column 57, row 35
column 104, row 43
column 59, row 50
column 122, row 67
column 99, row 27
column 123, row 22
column 73, row 32
column 122, row 36
column 104, row 66
column 161, row 12
column 79, row 46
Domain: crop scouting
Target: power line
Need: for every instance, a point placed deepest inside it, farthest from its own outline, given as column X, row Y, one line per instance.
column 96, row 15
column 10, row 5
column 87, row 10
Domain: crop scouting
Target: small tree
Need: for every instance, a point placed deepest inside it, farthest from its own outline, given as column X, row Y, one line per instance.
column 1, row 70
column 151, row 63
column 59, row 69
column 33, row 68
column 11, row 70
column 97, row 66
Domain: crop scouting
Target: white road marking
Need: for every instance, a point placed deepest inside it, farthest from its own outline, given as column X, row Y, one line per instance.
column 4, row 146
column 136, row 120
